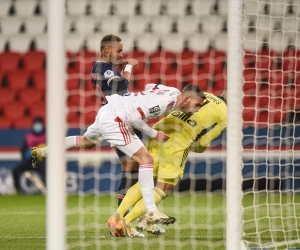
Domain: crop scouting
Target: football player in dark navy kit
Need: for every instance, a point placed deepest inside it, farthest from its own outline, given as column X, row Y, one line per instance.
column 107, row 80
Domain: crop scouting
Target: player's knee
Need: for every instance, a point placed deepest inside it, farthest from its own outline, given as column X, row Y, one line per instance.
column 129, row 165
column 148, row 159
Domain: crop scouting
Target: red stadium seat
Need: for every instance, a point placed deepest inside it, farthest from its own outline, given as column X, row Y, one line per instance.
column 250, row 74
column 249, row 115
column 263, row 101
column 139, row 82
column 172, row 78
column 88, row 86
column 25, row 122
column 89, row 117
column 291, row 95
column 91, row 100
column 14, row 111
column 262, row 117
column 31, row 96
column 213, row 61
column 82, row 99
column 291, row 60
column 39, row 109
column 249, row 59
column 9, row 61
column 249, row 102
column 6, row 96
column 39, row 80
column 265, row 60
column 18, row 79
column 73, row 118
column 141, row 57
column 203, row 80
column 278, row 77
column 1, row 79
column 34, row 60
column 160, row 60
column 82, row 61
column 75, row 98
column 220, row 85
column 151, row 77
column 187, row 60
column 5, row 123
column 249, row 87
column 73, row 83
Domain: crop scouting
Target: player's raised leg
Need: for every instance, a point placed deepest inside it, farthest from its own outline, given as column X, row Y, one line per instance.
column 38, row 154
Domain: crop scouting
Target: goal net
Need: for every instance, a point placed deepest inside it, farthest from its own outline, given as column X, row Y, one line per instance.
column 271, row 173
column 177, row 43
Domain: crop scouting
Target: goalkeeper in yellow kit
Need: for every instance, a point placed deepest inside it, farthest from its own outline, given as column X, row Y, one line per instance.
column 186, row 133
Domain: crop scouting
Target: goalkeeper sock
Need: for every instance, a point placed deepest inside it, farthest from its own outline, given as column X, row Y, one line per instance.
column 147, row 185
column 140, row 209
column 129, row 178
column 133, row 195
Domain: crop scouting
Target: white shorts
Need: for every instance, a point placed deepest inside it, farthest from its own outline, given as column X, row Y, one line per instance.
column 108, row 127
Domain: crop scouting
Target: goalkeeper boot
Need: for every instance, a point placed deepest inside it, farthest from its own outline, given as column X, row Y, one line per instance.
column 141, row 224
column 136, row 233
column 38, row 154
column 155, row 216
column 122, row 230
column 112, row 221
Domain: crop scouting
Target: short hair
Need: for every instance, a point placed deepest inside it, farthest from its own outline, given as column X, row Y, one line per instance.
column 109, row 40
column 194, row 90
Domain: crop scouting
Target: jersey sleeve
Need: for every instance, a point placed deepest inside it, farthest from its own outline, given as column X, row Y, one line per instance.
column 109, row 76
column 207, row 137
column 136, row 119
column 161, row 102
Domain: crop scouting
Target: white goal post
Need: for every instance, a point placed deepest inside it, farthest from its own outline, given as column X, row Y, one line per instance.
column 234, row 127
column 56, row 128
column 257, row 215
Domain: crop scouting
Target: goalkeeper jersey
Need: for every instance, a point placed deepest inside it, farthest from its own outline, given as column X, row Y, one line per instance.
column 202, row 127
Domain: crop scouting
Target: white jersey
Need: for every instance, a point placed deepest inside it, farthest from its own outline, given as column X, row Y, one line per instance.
column 133, row 108
column 113, row 121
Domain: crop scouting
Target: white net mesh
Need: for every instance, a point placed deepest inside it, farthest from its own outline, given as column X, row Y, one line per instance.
column 193, row 46
column 175, row 48
column 271, row 135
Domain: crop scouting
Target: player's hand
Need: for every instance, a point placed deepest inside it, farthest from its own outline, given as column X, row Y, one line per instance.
column 161, row 136
column 132, row 62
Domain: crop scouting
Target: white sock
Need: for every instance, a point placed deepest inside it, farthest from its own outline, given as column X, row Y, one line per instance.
column 70, row 142
column 145, row 179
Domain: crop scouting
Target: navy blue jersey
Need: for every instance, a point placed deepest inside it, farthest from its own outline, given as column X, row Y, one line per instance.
column 107, row 80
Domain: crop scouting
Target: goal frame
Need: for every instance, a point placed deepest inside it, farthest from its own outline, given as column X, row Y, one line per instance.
column 234, row 127
column 56, row 127
column 56, row 189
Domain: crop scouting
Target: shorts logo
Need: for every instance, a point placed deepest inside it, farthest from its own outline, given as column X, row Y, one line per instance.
column 154, row 109
column 108, row 73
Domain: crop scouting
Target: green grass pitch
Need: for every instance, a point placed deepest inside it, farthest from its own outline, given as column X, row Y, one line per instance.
column 200, row 222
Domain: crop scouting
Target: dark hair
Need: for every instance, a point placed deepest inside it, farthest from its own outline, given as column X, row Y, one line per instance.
column 109, row 40
column 193, row 88
column 38, row 119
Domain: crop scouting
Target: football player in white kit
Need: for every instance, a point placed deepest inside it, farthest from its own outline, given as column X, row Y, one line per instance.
column 113, row 124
